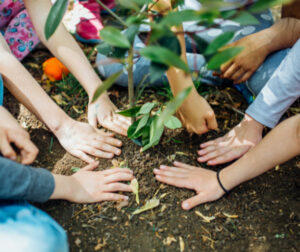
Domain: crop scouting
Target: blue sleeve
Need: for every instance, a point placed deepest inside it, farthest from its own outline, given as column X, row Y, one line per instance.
column 24, row 182
column 280, row 92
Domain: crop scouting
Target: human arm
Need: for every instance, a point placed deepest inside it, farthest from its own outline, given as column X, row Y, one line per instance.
column 80, row 139
column 63, row 46
column 195, row 122
column 12, row 133
column 20, row 182
column 283, row 34
column 280, row 145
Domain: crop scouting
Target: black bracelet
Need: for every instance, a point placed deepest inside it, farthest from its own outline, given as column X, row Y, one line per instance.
column 218, row 178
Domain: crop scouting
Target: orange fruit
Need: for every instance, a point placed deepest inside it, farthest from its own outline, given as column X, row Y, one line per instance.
column 54, row 69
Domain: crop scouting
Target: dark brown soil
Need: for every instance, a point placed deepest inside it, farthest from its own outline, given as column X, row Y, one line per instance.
column 267, row 208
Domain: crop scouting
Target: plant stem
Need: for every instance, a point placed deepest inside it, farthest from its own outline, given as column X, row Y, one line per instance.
column 112, row 13
column 130, row 80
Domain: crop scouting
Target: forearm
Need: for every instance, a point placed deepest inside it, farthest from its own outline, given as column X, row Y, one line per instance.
column 25, row 88
column 283, row 34
column 63, row 46
column 63, row 187
column 280, row 145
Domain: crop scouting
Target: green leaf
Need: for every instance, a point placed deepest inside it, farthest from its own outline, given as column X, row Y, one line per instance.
column 173, row 123
column 146, row 108
column 218, row 42
column 156, row 71
column 245, row 18
column 106, row 85
column 265, row 4
column 172, row 106
column 165, row 56
column 142, row 123
column 132, row 112
column 129, row 4
column 104, row 48
column 176, row 18
column 131, row 32
column 114, row 37
column 155, row 134
column 55, row 16
column 228, row 14
column 170, row 42
column 222, row 57
column 75, row 169
column 132, row 128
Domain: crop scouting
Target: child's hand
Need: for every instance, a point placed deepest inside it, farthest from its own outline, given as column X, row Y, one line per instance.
column 196, row 115
column 102, row 111
column 203, row 181
column 81, row 139
column 88, row 186
column 12, row 133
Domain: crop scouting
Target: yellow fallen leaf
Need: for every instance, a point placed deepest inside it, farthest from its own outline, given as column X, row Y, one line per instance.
column 150, row 204
column 277, row 168
column 135, row 189
column 181, row 153
column 181, row 244
column 59, row 100
column 231, row 216
column 77, row 110
column 205, row 218
column 168, row 241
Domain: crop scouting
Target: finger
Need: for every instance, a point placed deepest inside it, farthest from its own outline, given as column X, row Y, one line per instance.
column 116, row 170
column 120, row 176
column 7, row 150
column 92, row 166
column 227, row 157
column 123, row 119
column 225, row 66
column 170, row 173
column 245, row 77
column 112, row 197
column 105, row 147
column 103, row 133
column 80, row 154
column 109, row 140
column 170, row 168
column 208, row 143
column 95, row 152
column 111, row 126
column 183, row 165
column 211, row 121
column 92, row 119
column 171, row 180
column 121, row 187
column 200, row 130
column 28, row 150
column 238, row 74
column 208, row 149
column 231, row 70
column 211, row 155
column 193, row 201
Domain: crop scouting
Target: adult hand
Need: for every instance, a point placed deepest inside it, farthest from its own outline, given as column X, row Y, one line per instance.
column 81, row 139
column 88, row 186
column 102, row 111
column 12, row 133
column 203, row 181
column 242, row 67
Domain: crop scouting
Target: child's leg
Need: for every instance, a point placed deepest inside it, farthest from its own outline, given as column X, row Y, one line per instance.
column 65, row 48
column 26, row 228
column 280, row 145
column 20, row 35
column 77, row 138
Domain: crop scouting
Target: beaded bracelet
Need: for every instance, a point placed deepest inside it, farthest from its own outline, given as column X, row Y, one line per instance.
column 218, row 178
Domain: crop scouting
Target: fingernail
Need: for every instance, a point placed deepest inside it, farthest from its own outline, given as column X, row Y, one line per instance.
column 158, row 177
column 155, row 170
column 186, row 205
column 126, row 197
column 162, row 166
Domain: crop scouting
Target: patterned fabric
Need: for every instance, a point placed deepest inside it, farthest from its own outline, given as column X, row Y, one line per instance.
column 17, row 28
column 1, row 91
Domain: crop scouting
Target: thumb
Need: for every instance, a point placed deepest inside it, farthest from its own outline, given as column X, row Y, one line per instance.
column 211, row 121
column 192, row 202
column 91, row 166
column 92, row 119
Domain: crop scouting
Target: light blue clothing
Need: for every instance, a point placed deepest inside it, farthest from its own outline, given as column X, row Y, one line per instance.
column 197, row 62
column 1, row 91
column 280, row 92
column 24, row 228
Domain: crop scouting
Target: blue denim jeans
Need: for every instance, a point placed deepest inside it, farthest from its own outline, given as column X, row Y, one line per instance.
column 25, row 228
column 197, row 62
